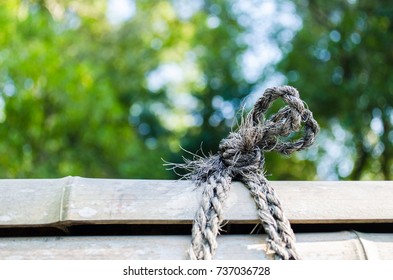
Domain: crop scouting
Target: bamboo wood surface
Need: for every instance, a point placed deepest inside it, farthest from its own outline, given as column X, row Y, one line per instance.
column 76, row 200
column 348, row 245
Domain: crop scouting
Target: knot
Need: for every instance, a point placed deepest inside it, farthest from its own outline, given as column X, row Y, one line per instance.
column 239, row 152
column 242, row 151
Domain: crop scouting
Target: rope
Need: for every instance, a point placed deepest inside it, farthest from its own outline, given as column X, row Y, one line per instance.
column 241, row 157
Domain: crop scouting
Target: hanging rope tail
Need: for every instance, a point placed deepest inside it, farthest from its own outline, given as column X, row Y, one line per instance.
column 241, row 157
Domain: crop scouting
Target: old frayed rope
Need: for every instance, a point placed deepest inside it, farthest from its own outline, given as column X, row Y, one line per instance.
column 241, row 157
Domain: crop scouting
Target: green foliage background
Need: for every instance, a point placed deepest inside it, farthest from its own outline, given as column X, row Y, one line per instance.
column 82, row 96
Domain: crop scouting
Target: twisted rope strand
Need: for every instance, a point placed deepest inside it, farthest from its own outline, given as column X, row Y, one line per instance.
column 284, row 227
column 209, row 218
column 269, row 223
column 241, row 157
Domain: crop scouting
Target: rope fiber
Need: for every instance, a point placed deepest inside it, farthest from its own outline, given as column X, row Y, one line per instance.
column 241, row 157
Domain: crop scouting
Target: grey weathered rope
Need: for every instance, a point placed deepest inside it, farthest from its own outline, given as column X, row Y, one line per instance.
column 241, row 157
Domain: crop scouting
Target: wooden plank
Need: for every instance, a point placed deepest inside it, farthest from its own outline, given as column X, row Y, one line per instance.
column 75, row 200
column 311, row 246
column 31, row 202
column 377, row 246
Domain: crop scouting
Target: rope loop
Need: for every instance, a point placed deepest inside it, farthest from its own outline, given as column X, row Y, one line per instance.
column 242, row 151
column 286, row 121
